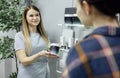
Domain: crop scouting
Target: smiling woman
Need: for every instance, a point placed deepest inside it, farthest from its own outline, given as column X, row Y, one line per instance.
column 33, row 18
column 31, row 45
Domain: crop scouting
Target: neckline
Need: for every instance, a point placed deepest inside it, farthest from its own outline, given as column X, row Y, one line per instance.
column 34, row 33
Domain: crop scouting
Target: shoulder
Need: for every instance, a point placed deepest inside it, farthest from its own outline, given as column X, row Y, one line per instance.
column 19, row 35
column 87, row 46
column 90, row 44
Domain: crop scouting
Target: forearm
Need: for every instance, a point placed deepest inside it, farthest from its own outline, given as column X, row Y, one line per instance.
column 26, row 60
column 31, row 59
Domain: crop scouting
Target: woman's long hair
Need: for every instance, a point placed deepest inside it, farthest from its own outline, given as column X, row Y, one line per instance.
column 26, row 31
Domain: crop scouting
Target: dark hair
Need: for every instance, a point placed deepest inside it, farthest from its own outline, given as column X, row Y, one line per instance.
column 108, row 7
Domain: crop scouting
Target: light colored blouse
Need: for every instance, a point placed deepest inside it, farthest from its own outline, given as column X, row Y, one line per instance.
column 39, row 68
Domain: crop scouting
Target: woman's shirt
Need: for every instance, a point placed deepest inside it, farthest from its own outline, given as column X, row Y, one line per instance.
column 39, row 68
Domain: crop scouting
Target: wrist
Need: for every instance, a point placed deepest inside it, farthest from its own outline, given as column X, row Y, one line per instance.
column 41, row 54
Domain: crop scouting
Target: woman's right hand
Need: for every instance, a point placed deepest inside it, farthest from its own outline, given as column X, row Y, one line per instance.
column 44, row 53
column 48, row 54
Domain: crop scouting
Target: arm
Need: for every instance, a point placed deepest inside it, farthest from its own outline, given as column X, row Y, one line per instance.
column 25, row 60
column 20, row 51
column 21, row 54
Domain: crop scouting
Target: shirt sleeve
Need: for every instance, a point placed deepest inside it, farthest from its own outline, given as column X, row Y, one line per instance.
column 19, row 42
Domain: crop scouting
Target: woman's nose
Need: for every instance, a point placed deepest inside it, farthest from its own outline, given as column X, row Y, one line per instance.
column 35, row 17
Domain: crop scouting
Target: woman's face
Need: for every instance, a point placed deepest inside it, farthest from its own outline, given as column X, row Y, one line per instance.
column 33, row 17
column 82, row 15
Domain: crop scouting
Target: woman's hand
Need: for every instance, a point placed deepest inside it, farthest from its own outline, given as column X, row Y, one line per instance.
column 48, row 54
column 44, row 53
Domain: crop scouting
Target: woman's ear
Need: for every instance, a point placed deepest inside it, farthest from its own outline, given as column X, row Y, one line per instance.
column 87, row 7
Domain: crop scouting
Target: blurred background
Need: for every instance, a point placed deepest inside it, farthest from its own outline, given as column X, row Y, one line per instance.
column 61, row 24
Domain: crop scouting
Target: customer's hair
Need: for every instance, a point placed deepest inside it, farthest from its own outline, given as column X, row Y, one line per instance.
column 26, row 31
column 108, row 7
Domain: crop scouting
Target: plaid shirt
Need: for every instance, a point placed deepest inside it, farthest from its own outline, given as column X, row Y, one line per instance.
column 98, row 55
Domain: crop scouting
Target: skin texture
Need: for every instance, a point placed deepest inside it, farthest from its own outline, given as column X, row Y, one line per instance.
column 33, row 19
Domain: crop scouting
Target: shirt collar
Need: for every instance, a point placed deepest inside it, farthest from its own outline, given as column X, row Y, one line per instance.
column 106, row 31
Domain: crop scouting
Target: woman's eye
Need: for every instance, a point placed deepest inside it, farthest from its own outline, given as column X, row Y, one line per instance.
column 37, row 14
column 31, row 15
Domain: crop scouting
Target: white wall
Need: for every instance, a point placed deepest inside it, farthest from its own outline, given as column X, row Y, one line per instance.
column 2, row 71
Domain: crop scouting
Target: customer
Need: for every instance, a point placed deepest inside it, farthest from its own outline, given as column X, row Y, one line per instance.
column 98, row 54
column 31, row 46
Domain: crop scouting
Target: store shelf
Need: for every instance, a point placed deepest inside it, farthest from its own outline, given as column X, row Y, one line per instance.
column 70, row 15
column 74, row 25
column 71, row 25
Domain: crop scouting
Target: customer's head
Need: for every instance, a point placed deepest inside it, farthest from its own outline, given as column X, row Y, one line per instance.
column 87, row 8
